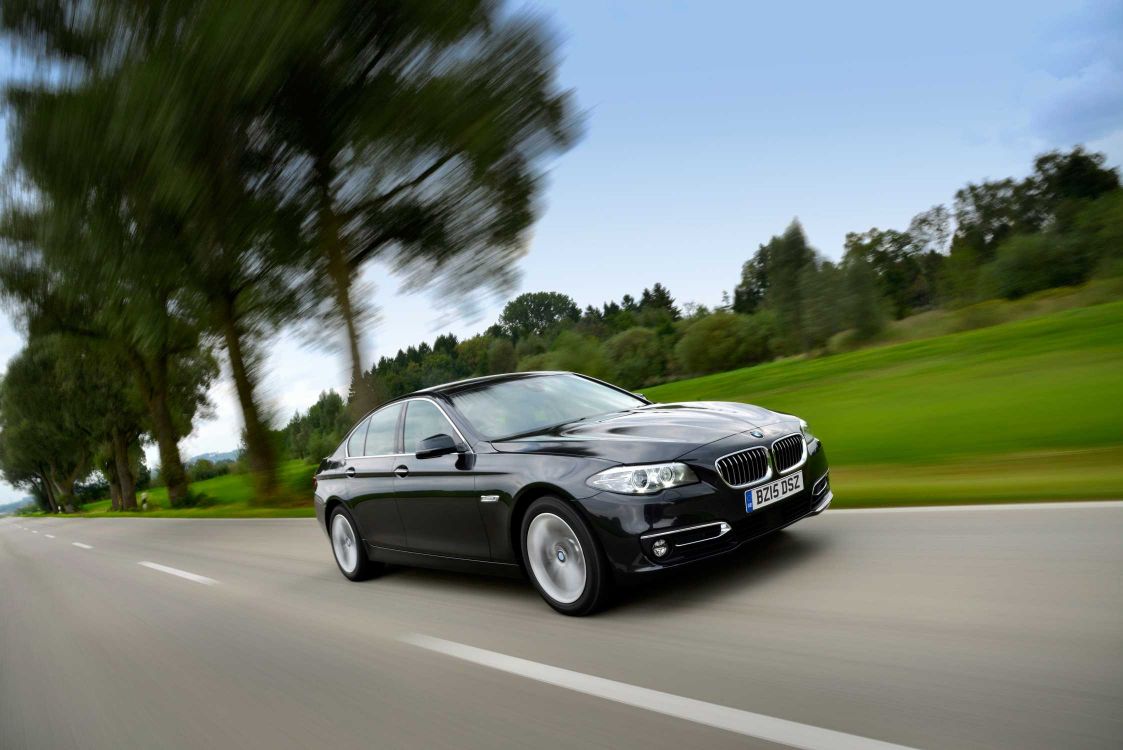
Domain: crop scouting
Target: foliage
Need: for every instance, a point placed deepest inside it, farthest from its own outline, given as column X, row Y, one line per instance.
column 537, row 314
column 316, row 433
column 724, row 341
column 637, row 355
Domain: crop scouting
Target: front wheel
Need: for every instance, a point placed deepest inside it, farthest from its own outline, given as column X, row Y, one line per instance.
column 347, row 546
column 563, row 559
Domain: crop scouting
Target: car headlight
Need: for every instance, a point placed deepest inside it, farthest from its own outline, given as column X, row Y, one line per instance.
column 643, row 480
column 808, row 437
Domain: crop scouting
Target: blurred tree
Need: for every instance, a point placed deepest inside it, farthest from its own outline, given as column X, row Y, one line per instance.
column 1097, row 231
column 417, row 129
column 863, row 308
column 501, row 357
column 44, row 435
column 821, row 287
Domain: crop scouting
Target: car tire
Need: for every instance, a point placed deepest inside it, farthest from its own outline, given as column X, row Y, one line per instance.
column 562, row 558
column 348, row 548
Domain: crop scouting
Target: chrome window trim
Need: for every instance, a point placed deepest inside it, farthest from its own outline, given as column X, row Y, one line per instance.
column 401, row 404
column 723, row 528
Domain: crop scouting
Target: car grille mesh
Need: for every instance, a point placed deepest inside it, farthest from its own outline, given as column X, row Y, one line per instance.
column 743, row 467
column 787, row 452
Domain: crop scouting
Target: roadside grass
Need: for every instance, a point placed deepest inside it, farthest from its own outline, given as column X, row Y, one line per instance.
column 227, row 496
column 1031, row 409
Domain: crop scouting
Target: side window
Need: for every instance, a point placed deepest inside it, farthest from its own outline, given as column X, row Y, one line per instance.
column 424, row 419
column 355, row 442
column 383, row 433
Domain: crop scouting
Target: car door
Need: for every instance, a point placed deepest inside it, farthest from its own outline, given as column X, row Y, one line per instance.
column 370, row 465
column 436, row 496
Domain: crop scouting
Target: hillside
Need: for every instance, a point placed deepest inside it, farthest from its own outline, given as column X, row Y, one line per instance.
column 1025, row 410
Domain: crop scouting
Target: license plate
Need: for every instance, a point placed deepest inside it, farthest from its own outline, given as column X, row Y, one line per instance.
column 773, row 491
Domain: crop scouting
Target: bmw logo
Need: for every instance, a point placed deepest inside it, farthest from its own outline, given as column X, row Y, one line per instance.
column 757, row 434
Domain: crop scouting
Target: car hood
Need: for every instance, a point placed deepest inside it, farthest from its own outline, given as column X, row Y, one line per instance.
column 659, row 432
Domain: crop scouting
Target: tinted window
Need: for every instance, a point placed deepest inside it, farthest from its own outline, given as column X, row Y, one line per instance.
column 382, row 435
column 535, row 402
column 355, row 442
column 424, row 419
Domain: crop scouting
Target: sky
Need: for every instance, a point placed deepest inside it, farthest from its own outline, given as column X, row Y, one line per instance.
column 709, row 126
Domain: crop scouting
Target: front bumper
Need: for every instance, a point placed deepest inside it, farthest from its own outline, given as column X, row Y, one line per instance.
column 697, row 521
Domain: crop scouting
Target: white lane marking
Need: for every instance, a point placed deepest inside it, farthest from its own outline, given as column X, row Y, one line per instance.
column 33, row 531
column 49, row 536
column 1075, row 505
column 762, row 727
column 83, row 546
column 177, row 572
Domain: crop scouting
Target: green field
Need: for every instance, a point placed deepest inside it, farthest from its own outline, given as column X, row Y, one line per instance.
column 229, row 496
column 1029, row 410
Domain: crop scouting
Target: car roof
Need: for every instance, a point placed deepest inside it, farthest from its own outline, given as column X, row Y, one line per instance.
column 458, row 385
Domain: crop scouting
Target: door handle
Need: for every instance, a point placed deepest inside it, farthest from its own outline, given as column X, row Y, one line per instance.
column 401, row 470
column 350, row 472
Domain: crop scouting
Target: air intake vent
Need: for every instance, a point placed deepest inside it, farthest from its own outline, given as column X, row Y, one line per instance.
column 788, row 452
column 744, row 467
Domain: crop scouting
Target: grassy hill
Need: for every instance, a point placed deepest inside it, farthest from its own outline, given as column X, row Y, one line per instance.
column 1026, row 410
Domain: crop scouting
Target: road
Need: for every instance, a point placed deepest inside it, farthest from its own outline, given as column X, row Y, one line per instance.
column 971, row 628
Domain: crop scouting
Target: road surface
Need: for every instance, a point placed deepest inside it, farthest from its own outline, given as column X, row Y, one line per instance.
column 971, row 628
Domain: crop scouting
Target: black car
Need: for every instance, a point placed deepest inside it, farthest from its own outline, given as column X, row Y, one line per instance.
column 573, row 481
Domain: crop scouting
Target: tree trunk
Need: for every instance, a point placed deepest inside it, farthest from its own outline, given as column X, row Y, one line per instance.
column 259, row 444
column 110, row 470
column 124, row 471
column 66, row 493
column 153, row 382
column 49, row 491
column 331, row 244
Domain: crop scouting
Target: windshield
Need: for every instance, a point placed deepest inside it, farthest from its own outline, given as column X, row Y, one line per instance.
column 535, row 402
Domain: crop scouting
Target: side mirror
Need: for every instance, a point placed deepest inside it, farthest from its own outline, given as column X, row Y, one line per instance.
column 435, row 445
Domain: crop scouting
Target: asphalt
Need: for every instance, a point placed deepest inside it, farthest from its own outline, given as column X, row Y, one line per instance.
column 974, row 628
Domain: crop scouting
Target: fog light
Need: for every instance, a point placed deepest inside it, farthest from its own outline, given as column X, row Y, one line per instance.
column 660, row 547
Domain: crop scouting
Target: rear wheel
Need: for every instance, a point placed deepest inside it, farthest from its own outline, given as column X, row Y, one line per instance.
column 563, row 559
column 347, row 546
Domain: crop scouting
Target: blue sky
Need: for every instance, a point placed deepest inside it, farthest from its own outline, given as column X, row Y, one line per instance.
column 711, row 125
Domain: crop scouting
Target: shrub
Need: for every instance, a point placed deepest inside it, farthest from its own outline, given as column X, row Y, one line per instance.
column 573, row 352
column 501, row 357
column 1030, row 262
column 637, row 355
column 724, row 341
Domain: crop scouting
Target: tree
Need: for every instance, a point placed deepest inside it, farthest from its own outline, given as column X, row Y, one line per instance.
column 863, row 306
column 783, row 260
column 44, row 436
column 724, row 341
column 537, row 314
column 1062, row 183
column 501, row 357
column 637, row 356
column 417, row 130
